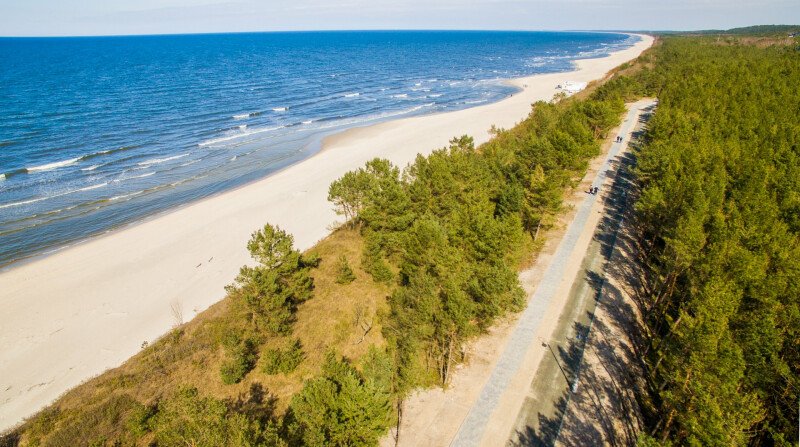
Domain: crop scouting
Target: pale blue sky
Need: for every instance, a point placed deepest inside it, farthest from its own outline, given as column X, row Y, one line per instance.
column 103, row 17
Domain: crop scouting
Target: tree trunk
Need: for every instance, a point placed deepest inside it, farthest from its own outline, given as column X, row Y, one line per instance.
column 538, row 227
column 399, row 421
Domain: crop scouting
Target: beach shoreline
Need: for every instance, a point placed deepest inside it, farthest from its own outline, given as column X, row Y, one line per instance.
column 72, row 314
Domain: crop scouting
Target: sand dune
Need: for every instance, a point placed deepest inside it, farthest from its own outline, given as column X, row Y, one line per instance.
column 71, row 315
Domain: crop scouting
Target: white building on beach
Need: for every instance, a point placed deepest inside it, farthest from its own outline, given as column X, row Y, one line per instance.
column 570, row 87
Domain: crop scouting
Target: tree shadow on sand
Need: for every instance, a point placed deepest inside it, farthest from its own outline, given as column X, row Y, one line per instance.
column 605, row 408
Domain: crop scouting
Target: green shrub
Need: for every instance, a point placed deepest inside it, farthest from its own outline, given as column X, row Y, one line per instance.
column 283, row 361
column 189, row 419
column 339, row 408
column 272, row 290
column 139, row 422
column 344, row 274
column 241, row 358
column 373, row 262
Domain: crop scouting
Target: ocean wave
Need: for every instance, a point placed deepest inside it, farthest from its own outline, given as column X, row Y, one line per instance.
column 125, row 196
column 215, row 141
column 136, row 176
column 190, row 162
column 54, row 165
column 374, row 117
column 106, row 152
column 243, row 116
column 10, row 174
column 88, row 188
column 307, row 122
column 23, row 202
column 2, row 177
column 351, row 95
column 401, row 95
column 280, row 109
column 435, row 95
column 155, row 161
column 63, row 163
column 39, row 199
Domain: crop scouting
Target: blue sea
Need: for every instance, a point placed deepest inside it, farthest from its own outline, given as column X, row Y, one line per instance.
column 99, row 132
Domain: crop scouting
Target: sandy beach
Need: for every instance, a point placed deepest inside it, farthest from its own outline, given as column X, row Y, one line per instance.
column 75, row 313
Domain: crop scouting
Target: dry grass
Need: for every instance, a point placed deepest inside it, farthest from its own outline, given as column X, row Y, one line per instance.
column 344, row 318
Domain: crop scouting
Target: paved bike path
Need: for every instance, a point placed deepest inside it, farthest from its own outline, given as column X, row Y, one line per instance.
column 474, row 425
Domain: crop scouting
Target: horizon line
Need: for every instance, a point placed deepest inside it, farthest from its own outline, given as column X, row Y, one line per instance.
column 365, row 30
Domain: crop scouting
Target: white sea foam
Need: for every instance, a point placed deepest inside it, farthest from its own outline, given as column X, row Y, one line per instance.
column 280, row 109
column 51, row 166
column 155, row 161
column 22, row 202
column 88, row 188
column 191, row 162
column 435, row 95
column 375, row 117
column 308, row 121
column 39, row 199
column 138, row 176
column 125, row 196
column 215, row 141
column 351, row 95
column 242, row 116
column 90, row 168
column 402, row 95
column 2, row 177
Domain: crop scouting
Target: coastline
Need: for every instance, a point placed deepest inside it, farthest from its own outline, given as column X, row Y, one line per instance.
column 72, row 314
